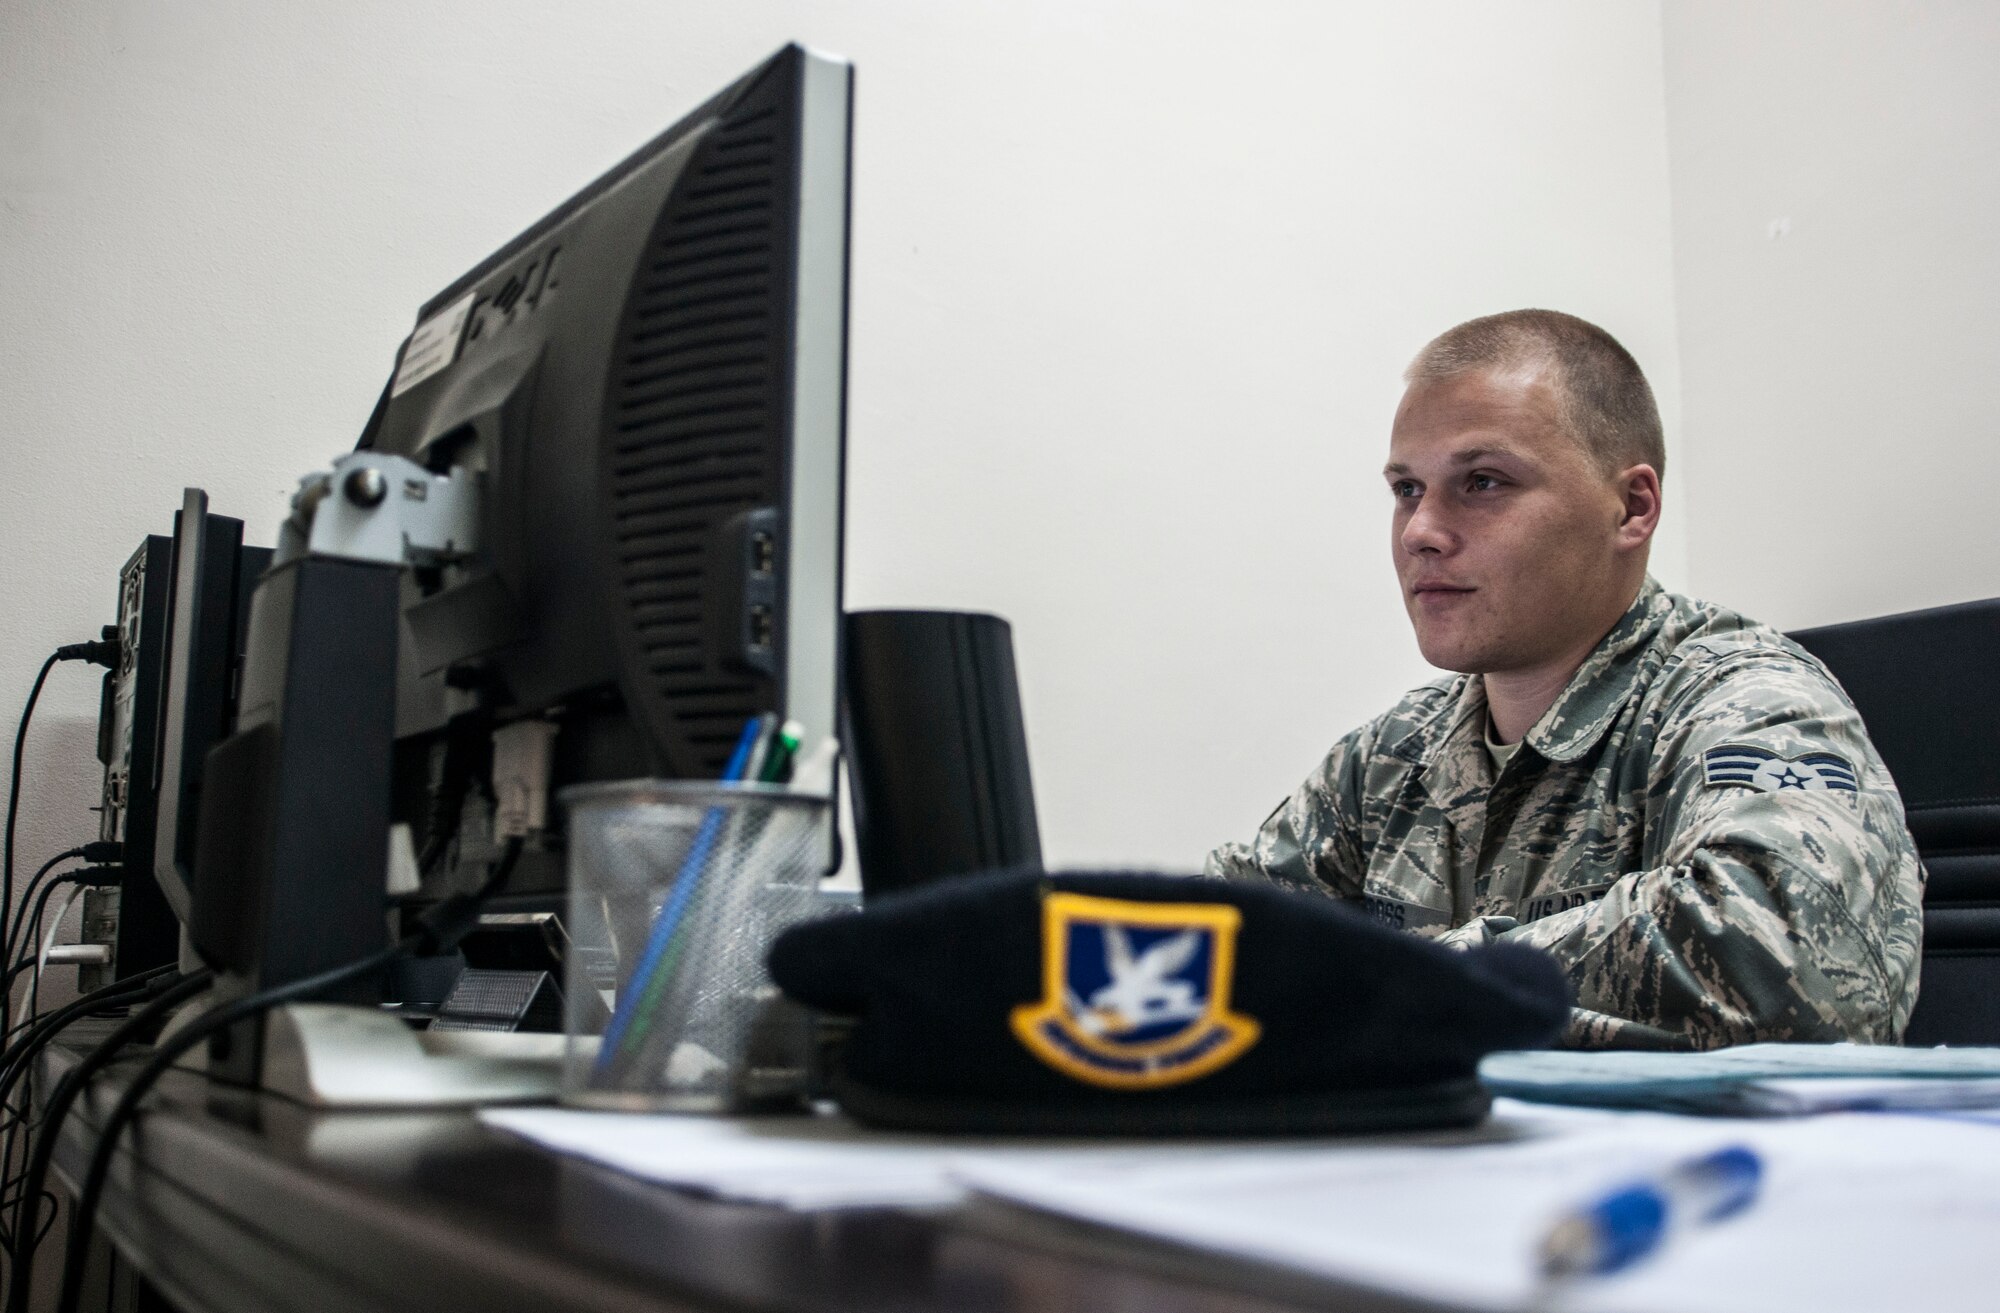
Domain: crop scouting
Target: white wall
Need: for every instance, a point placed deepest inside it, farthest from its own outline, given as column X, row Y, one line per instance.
column 1132, row 286
column 1837, row 244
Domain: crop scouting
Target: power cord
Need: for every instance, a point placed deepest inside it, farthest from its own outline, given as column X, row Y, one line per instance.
column 33, row 948
column 11, row 1117
column 104, row 856
column 437, row 931
column 18, row 1058
column 78, row 881
column 171, row 991
column 21, row 1053
column 14, row 786
column 104, row 652
column 13, row 934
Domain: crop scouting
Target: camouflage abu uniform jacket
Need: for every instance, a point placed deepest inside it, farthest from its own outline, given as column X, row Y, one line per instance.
column 1698, row 829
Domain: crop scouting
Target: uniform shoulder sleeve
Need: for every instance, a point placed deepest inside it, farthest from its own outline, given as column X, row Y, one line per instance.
column 1761, row 729
column 1780, row 898
column 1765, row 759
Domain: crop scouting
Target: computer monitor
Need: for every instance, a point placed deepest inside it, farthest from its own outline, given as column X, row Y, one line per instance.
column 650, row 385
column 647, row 390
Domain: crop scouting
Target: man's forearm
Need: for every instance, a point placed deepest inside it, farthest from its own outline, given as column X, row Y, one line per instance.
column 1728, row 948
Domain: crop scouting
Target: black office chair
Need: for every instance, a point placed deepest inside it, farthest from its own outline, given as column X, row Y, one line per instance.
column 1927, row 684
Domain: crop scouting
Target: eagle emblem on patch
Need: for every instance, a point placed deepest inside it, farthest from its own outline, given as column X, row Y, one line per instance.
column 1760, row 768
column 1135, row 996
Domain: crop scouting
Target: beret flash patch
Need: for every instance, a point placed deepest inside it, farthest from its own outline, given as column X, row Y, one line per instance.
column 1762, row 769
column 1135, row 994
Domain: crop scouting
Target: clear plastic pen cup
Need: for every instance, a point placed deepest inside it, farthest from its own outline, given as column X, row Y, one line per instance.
column 676, row 892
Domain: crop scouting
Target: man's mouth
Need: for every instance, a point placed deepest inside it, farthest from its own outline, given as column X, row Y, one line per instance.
column 1423, row 588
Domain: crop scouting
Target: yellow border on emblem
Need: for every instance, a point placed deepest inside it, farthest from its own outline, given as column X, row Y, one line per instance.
column 1059, row 911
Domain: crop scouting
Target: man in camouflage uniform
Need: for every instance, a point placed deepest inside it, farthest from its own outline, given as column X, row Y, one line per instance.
column 1679, row 803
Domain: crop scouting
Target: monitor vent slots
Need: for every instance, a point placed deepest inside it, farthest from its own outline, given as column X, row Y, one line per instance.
column 694, row 429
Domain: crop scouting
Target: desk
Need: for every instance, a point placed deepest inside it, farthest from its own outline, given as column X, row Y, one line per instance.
column 233, row 1202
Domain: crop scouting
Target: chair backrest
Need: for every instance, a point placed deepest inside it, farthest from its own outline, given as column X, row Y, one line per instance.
column 1927, row 684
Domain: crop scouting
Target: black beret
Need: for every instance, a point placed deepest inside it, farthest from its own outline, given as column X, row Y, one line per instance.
column 1117, row 1003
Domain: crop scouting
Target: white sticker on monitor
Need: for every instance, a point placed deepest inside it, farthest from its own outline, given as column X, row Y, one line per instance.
column 433, row 346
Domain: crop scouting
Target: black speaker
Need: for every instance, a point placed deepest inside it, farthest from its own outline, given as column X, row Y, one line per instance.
column 937, row 752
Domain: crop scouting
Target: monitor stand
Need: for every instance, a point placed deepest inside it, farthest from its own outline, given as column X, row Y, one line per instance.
column 351, row 1055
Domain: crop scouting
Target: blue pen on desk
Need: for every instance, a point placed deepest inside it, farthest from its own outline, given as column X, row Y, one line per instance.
column 1624, row 1226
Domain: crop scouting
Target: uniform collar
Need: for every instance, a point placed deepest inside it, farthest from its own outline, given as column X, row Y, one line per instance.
column 1588, row 704
column 1605, row 681
column 1456, row 769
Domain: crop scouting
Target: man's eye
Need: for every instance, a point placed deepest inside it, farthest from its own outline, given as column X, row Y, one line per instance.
column 1402, row 488
column 1482, row 483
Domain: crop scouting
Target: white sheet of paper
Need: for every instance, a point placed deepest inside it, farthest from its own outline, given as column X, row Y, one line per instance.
column 1860, row 1212
column 809, row 1163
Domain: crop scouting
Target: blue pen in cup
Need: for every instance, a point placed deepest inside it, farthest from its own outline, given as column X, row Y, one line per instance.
column 1625, row 1225
column 649, row 976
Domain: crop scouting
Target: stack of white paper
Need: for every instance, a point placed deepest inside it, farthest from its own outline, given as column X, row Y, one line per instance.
column 1798, row 1096
column 1753, row 1079
column 1858, row 1211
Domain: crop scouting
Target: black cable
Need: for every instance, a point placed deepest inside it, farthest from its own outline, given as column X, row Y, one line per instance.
column 19, row 1057
column 177, row 990
column 96, row 998
column 104, row 653
column 32, row 950
column 13, row 932
column 14, row 1059
column 438, row 930
column 14, row 788
column 20, row 1120
column 122, row 1112
column 13, row 936
column 7, row 1237
column 22, row 1061
column 118, row 993
column 96, row 875
column 447, row 805
column 15, row 1028
column 48, row 1225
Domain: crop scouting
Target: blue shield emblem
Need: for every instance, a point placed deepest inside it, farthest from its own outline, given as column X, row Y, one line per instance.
column 1135, row 995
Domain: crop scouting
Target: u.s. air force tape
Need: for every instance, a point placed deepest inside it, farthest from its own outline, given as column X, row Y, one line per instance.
column 1753, row 767
column 1559, row 900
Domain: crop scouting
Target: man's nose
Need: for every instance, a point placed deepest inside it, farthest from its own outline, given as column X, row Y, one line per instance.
column 1426, row 532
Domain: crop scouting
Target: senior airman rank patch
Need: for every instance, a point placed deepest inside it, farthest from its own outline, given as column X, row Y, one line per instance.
column 1760, row 768
column 1135, row 995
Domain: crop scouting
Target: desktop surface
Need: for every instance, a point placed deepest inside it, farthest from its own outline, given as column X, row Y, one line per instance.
column 228, row 1200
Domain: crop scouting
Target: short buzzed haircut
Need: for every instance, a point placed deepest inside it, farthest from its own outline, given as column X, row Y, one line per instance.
column 1602, row 396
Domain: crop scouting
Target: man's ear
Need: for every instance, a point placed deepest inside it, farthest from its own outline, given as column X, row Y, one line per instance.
column 1639, row 492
